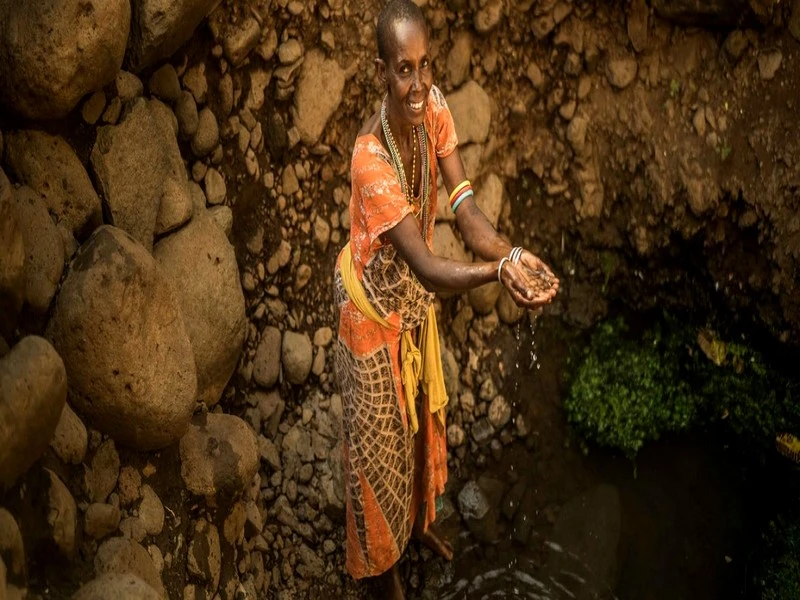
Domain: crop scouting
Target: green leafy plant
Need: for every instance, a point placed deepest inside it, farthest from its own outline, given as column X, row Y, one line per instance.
column 778, row 575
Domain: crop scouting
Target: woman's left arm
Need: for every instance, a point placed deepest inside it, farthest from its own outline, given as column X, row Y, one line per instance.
column 477, row 232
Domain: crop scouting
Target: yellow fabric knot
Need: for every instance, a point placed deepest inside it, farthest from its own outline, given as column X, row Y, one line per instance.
column 416, row 362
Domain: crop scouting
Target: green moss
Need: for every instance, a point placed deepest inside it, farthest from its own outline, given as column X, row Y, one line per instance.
column 628, row 390
column 778, row 576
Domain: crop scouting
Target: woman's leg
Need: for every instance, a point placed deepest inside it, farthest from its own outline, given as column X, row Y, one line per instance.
column 431, row 539
column 391, row 584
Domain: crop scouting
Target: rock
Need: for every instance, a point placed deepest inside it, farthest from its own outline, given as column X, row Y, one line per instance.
column 12, row 261
column 137, row 164
column 507, row 310
column 241, row 39
column 318, row 95
column 482, row 431
column 101, row 477
column 33, row 390
column 794, row 20
column 478, row 513
column 128, row 86
column 129, row 486
column 186, row 113
column 298, row 441
column 322, row 233
column 458, row 60
column 200, row 263
column 151, row 511
column 206, row 137
column 132, row 371
column 588, row 528
column 637, row 24
column 62, row 516
column 117, row 586
column 219, row 456
column 472, row 113
column 535, row 75
column 70, row 439
column 315, row 566
column 290, row 51
column 323, row 336
column 446, row 244
column 768, row 63
column 101, row 520
column 164, row 84
column 44, row 250
column 53, row 54
column 455, row 436
column 708, row 13
column 621, row 71
column 93, row 108
column 542, row 26
column 489, row 198
column 121, row 556
column 289, row 181
column 48, row 164
column 12, row 549
column 194, row 80
column 267, row 362
column 488, row 16
column 499, row 412
column 222, row 216
column 175, row 209
column 296, row 356
column 736, row 43
column 483, row 299
column 215, row 186
column 159, row 28
column 271, row 407
column 132, row 528
column 204, row 559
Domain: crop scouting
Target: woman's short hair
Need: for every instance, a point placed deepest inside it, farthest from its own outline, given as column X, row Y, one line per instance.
column 393, row 12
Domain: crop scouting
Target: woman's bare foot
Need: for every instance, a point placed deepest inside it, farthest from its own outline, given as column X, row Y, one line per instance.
column 392, row 587
column 439, row 545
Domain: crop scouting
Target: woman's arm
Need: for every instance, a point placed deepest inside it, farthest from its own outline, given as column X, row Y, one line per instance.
column 438, row 274
column 476, row 230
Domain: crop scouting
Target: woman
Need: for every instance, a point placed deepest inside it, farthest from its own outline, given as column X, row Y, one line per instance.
column 395, row 457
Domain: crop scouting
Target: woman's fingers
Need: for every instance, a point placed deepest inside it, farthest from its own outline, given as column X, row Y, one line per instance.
column 526, row 289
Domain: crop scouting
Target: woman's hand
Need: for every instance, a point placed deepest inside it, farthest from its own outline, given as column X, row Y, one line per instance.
column 530, row 283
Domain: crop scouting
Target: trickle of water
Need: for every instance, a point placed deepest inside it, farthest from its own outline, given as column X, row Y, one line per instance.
column 534, row 356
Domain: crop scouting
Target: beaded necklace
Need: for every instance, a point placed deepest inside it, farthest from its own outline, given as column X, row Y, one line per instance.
column 408, row 189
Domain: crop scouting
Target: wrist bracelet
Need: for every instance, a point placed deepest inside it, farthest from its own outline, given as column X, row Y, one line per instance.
column 500, row 268
column 515, row 254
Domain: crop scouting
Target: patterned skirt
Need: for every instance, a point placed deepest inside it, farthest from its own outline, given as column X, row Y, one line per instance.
column 390, row 473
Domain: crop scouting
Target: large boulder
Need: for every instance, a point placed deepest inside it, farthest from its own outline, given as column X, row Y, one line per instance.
column 472, row 113
column 137, row 165
column 219, row 455
column 118, row 326
column 12, row 261
column 125, row 586
column 318, row 95
column 200, row 263
column 53, row 53
column 121, row 556
column 49, row 165
column 44, row 249
column 33, row 390
column 160, row 27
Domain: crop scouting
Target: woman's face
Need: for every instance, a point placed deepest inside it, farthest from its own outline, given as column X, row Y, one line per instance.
column 407, row 72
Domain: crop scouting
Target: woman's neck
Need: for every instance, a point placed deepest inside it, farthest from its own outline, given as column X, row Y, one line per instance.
column 403, row 133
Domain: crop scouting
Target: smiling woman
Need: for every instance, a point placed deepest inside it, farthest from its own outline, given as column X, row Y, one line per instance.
column 386, row 275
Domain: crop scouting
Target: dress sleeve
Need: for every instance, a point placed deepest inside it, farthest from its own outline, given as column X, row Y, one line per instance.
column 382, row 202
column 443, row 126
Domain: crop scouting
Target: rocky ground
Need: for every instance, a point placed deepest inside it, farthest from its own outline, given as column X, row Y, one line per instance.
column 177, row 431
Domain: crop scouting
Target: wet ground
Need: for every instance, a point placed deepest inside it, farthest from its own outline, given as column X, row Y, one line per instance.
column 575, row 525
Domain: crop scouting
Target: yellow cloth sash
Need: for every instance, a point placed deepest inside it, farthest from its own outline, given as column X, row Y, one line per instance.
column 425, row 360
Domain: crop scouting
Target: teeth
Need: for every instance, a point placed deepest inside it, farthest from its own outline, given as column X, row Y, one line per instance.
column 415, row 105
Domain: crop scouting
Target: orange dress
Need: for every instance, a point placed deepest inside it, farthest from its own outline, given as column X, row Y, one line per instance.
column 390, row 473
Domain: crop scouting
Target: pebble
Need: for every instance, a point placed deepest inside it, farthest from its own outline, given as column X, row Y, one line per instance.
column 93, row 108
column 214, row 186
column 621, row 71
column 164, row 84
column 768, row 63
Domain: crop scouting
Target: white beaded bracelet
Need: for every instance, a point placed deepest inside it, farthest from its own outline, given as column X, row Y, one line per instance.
column 500, row 268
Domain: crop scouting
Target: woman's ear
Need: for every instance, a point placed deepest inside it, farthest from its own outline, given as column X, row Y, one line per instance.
column 380, row 67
